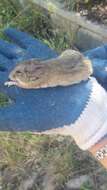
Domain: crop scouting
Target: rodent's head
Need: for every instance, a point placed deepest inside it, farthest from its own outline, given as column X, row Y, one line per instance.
column 27, row 74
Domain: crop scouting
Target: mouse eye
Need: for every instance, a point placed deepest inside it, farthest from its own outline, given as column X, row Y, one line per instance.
column 18, row 72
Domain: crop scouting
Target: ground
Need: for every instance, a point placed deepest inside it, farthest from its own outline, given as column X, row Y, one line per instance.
column 93, row 10
column 30, row 162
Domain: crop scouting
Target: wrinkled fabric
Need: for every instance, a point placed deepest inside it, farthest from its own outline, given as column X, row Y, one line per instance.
column 98, row 56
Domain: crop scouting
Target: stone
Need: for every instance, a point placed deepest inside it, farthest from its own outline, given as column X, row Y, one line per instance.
column 86, row 40
column 77, row 182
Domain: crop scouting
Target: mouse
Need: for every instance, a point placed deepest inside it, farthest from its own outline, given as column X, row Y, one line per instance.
column 70, row 67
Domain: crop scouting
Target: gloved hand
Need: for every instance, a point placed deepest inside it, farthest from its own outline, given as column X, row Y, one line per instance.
column 74, row 110
column 98, row 56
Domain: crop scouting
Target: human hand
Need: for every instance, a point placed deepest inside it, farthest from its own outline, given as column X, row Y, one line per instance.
column 42, row 109
column 98, row 56
column 61, row 110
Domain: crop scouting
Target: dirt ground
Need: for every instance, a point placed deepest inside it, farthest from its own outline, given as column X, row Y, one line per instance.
column 96, row 12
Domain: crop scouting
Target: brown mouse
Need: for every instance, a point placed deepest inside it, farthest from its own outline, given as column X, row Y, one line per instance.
column 69, row 68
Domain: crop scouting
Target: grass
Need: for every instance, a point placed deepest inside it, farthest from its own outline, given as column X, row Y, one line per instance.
column 33, row 20
column 4, row 100
column 78, row 4
column 43, row 158
column 48, row 161
column 23, row 155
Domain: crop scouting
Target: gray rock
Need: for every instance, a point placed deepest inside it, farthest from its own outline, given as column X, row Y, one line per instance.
column 77, row 182
column 84, row 33
column 86, row 40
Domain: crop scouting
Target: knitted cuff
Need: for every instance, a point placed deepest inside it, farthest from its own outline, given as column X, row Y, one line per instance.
column 91, row 126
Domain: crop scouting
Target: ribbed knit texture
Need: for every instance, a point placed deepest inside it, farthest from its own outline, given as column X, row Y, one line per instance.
column 91, row 126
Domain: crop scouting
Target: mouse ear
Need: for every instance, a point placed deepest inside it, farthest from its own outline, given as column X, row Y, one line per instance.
column 70, row 52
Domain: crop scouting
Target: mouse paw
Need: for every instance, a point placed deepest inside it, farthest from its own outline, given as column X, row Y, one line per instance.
column 9, row 83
